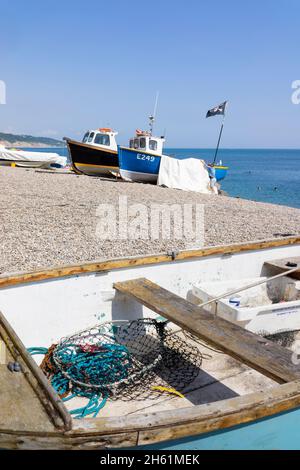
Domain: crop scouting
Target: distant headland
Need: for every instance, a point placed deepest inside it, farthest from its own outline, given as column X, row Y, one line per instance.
column 14, row 140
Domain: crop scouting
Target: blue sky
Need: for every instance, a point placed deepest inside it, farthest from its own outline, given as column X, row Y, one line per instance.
column 73, row 65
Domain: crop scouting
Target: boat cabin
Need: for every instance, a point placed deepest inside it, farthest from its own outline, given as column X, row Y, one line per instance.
column 103, row 137
column 146, row 142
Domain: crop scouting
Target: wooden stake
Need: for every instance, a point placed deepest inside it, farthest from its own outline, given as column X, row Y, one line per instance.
column 2, row 352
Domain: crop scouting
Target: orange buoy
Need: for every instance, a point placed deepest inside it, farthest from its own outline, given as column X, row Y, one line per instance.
column 105, row 129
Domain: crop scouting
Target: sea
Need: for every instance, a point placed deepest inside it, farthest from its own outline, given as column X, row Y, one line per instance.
column 266, row 175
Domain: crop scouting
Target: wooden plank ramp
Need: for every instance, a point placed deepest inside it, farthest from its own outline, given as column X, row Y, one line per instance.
column 282, row 265
column 253, row 350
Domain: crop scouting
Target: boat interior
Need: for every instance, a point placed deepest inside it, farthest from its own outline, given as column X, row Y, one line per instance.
column 213, row 359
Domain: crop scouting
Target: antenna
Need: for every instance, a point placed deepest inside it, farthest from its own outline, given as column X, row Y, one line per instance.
column 152, row 116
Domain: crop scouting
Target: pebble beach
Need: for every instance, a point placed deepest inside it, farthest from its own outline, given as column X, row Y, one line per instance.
column 49, row 218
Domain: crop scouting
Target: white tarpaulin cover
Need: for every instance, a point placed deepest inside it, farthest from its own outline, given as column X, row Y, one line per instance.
column 189, row 174
column 35, row 159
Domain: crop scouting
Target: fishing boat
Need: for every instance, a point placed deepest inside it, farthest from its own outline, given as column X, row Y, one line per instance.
column 220, row 171
column 140, row 161
column 96, row 155
column 220, row 385
column 27, row 159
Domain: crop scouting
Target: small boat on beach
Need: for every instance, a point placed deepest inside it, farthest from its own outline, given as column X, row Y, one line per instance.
column 97, row 154
column 140, row 161
column 27, row 159
column 170, row 358
column 220, row 171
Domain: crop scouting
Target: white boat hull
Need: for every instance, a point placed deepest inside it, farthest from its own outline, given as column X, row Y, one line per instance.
column 27, row 159
column 138, row 177
column 24, row 164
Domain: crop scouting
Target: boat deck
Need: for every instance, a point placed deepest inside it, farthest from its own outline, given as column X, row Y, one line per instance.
column 235, row 381
column 220, row 377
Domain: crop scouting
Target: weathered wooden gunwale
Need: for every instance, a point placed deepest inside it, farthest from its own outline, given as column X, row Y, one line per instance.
column 151, row 428
column 122, row 263
column 183, row 422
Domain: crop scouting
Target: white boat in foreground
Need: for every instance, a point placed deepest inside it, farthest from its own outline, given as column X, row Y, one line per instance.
column 221, row 387
column 24, row 158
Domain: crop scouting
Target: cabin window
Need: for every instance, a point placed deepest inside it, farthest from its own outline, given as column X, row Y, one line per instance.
column 91, row 137
column 142, row 143
column 85, row 137
column 136, row 143
column 102, row 139
column 153, row 145
column 131, row 144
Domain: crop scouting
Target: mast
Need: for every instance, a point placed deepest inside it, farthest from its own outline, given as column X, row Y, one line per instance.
column 152, row 116
column 220, row 135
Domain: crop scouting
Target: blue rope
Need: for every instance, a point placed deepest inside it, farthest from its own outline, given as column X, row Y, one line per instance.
column 109, row 364
column 101, row 365
column 34, row 351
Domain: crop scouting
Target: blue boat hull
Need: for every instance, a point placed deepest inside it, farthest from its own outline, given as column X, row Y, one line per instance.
column 278, row 432
column 220, row 171
column 138, row 166
column 144, row 167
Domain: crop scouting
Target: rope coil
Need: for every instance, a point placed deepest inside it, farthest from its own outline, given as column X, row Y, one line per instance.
column 119, row 360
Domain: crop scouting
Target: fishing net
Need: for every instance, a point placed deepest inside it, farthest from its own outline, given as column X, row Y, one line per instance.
column 284, row 338
column 121, row 360
column 111, row 354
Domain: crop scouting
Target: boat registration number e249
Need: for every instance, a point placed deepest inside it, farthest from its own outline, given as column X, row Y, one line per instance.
column 140, row 156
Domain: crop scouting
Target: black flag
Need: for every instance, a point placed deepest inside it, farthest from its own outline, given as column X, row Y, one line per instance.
column 217, row 110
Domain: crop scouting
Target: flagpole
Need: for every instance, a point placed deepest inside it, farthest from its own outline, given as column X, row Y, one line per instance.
column 220, row 135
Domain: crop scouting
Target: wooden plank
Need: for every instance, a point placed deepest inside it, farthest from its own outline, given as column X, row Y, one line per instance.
column 266, row 357
column 280, row 266
column 3, row 357
column 121, row 263
column 63, row 441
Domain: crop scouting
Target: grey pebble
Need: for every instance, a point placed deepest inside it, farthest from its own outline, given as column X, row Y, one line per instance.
column 49, row 219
